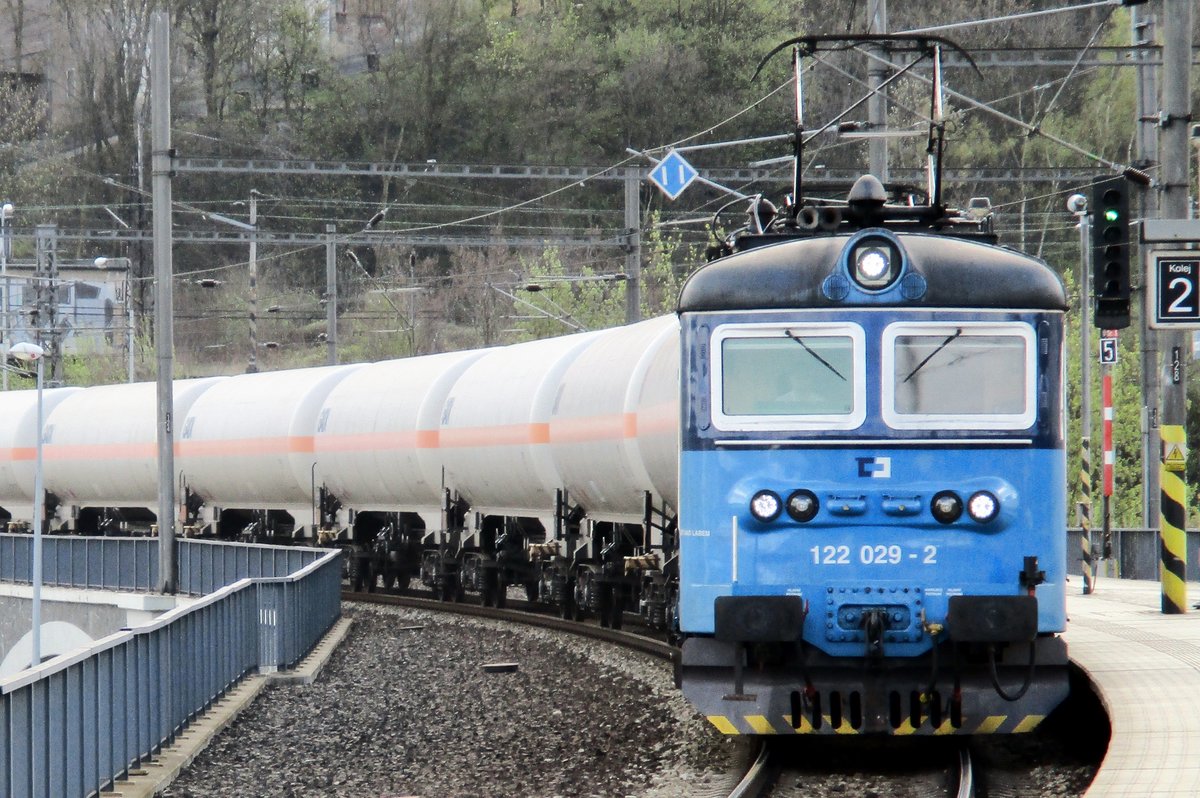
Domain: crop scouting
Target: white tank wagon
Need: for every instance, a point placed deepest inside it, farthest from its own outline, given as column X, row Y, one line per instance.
column 614, row 437
column 18, row 444
column 379, row 471
column 100, row 449
column 247, row 454
column 377, row 435
column 495, row 427
column 615, row 428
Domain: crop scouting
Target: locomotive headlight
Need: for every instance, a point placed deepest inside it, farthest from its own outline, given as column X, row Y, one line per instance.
column 802, row 505
column 876, row 264
column 983, row 506
column 766, row 505
column 872, row 264
column 946, row 507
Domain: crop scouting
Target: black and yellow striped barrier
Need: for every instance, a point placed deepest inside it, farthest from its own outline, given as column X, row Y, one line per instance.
column 1172, row 537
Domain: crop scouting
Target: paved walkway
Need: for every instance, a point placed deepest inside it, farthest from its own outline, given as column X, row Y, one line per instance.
column 1146, row 669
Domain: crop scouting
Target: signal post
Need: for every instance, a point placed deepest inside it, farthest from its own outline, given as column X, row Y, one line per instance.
column 1173, row 304
column 1174, row 118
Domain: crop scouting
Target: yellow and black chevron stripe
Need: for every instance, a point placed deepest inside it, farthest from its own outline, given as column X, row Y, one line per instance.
column 760, row 724
column 1172, row 537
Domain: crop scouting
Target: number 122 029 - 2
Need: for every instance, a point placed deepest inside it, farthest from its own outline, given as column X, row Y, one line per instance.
column 878, row 554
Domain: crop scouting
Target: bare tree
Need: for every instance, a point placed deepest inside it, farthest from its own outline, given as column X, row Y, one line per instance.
column 16, row 14
column 219, row 34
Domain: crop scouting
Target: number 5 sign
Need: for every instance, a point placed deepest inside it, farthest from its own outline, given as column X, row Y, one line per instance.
column 1174, row 294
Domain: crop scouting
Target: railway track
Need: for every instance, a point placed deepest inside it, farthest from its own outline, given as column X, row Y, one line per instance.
column 818, row 768
column 526, row 613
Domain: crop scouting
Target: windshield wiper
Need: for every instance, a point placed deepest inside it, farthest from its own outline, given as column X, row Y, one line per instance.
column 929, row 357
column 820, row 359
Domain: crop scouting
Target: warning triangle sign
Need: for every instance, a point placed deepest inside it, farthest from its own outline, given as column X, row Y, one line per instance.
column 1174, row 461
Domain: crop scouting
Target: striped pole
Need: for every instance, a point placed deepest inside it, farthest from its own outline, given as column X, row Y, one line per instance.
column 1172, row 537
column 1085, row 512
column 1109, row 463
column 1109, row 458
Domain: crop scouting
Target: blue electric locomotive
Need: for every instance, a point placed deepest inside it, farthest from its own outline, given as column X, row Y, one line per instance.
column 872, row 479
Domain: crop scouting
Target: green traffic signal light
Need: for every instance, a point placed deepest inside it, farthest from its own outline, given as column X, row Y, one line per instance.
column 1112, row 215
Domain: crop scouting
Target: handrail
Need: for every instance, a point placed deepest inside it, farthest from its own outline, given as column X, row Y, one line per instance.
column 78, row 722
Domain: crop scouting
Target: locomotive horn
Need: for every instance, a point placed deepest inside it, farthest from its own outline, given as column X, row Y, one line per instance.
column 808, row 218
column 829, row 219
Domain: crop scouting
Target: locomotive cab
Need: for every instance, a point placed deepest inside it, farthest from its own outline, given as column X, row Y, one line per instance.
column 872, row 485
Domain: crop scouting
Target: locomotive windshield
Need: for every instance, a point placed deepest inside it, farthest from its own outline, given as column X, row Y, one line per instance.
column 803, row 376
column 972, row 376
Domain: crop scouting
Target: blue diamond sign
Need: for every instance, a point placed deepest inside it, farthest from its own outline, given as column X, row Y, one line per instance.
column 673, row 174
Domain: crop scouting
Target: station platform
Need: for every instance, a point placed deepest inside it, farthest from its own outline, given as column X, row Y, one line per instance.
column 1145, row 666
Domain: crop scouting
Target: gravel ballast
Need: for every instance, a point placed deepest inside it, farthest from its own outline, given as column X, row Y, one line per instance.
column 405, row 707
column 401, row 711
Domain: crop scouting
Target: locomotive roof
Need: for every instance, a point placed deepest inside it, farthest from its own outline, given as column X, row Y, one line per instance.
column 958, row 273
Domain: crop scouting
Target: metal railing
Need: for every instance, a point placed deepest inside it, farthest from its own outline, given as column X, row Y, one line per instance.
column 132, row 563
column 1135, row 553
column 74, row 725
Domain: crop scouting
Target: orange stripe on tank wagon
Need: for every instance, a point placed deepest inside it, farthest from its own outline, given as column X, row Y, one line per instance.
column 246, row 447
column 659, row 419
column 586, row 429
column 100, row 451
column 18, row 454
column 368, row 441
column 506, row 435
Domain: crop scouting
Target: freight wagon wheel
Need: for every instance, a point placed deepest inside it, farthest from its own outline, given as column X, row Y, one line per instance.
column 604, row 602
column 613, row 603
column 584, row 590
column 402, row 581
column 531, row 590
column 616, row 608
column 567, row 609
column 389, row 579
column 489, row 595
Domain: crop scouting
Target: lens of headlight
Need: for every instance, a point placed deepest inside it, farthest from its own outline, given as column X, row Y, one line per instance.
column 802, row 505
column 766, row 505
column 873, row 263
column 983, row 506
column 946, row 507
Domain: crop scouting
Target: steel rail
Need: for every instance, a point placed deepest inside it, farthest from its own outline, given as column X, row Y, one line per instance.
column 758, row 777
column 966, row 774
column 646, row 645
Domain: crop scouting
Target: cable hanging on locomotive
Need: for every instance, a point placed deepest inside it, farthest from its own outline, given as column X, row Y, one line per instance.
column 867, row 204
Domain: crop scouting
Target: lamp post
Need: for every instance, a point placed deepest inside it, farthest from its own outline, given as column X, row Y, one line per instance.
column 6, row 213
column 28, row 352
column 252, row 366
column 1077, row 205
column 130, row 326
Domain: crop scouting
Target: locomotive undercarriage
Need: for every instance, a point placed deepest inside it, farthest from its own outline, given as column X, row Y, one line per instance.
column 793, row 688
